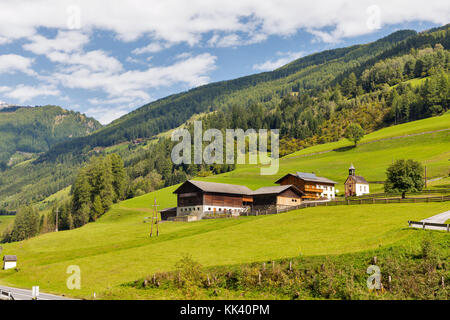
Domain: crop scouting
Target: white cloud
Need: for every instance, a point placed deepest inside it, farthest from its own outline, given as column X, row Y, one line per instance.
column 106, row 114
column 175, row 21
column 285, row 57
column 152, row 48
column 65, row 41
column 12, row 63
column 23, row 93
column 128, row 89
column 165, row 23
column 191, row 72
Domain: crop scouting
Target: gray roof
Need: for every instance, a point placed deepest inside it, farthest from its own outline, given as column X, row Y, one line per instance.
column 168, row 209
column 9, row 258
column 313, row 178
column 274, row 189
column 221, row 187
column 360, row 179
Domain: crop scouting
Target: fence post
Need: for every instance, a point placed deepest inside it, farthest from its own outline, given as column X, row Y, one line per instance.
column 423, row 225
column 448, row 227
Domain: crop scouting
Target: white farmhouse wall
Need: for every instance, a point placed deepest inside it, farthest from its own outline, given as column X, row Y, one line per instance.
column 201, row 210
column 328, row 191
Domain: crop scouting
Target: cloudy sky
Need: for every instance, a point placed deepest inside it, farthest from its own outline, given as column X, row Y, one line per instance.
column 108, row 57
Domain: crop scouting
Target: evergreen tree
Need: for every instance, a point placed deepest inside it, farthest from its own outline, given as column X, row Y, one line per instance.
column 119, row 177
column 26, row 224
column 97, row 208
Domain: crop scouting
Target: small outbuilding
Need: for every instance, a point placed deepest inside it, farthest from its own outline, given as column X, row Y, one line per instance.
column 276, row 198
column 9, row 262
column 168, row 213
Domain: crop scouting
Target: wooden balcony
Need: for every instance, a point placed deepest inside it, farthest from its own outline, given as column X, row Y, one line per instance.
column 313, row 189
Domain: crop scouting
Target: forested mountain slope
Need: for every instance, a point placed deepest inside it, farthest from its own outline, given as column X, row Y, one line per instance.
column 28, row 130
column 309, row 73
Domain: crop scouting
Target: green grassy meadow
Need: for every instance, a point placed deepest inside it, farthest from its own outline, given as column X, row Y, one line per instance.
column 117, row 249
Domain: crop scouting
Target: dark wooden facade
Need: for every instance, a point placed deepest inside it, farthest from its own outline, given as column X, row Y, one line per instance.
column 190, row 195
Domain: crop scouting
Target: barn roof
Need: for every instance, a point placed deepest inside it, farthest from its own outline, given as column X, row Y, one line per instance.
column 168, row 209
column 276, row 190
column 8, row 258
column 312, row 177
column 308, row 177
column 218, row 187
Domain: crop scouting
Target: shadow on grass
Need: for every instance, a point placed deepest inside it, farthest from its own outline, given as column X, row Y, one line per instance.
column 343, row 149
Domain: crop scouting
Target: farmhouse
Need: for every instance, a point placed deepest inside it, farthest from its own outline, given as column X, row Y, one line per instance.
column 277, row 197
column 355, row 185
column 199, row 198
column 313, row 187
column 9, row 262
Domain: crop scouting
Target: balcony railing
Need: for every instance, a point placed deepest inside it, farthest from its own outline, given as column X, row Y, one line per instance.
column 313, row 189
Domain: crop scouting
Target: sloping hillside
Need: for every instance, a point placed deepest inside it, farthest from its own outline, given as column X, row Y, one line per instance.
column 28, row 130
column 116, row 249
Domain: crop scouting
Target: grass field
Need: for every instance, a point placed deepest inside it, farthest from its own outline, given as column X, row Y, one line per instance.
column 5, row 221
column 371, row 161
column 116, row 249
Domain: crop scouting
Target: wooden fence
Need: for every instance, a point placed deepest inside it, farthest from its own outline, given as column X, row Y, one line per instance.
column 349, row 201
column 424, row 224
column 391, row 195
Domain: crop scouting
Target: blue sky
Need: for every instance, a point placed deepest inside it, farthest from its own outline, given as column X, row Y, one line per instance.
column 105, row 58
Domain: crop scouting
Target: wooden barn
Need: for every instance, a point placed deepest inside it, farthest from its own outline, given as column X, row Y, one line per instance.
column 313, row 187
column 277, row 197
column 199, row 198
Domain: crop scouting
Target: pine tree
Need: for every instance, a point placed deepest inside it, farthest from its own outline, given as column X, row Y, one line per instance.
column 97, row 208
column 26, row 224
column 119, row 177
